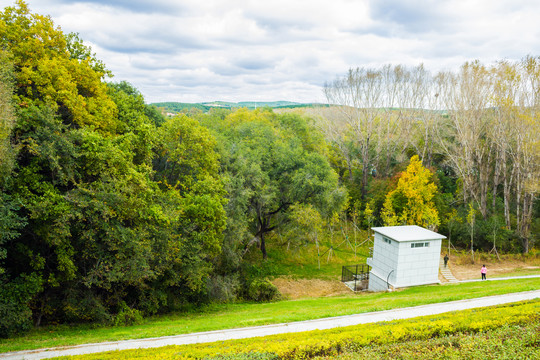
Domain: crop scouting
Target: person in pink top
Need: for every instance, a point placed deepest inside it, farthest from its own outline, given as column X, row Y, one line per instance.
column 483, row 272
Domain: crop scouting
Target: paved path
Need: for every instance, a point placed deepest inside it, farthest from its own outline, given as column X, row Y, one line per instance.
column 319, row 324
column 502, row 278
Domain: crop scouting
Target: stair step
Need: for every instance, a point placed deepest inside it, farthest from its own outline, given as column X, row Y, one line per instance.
column 446, row 273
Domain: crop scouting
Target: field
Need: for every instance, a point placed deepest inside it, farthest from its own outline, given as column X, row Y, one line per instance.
column 505, row 331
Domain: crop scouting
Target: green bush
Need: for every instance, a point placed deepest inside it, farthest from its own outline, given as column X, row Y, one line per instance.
column 263, row 290
column 127, row 316
column 223, row 288
column 81, row 305
column 15, row 313
column 15, row 316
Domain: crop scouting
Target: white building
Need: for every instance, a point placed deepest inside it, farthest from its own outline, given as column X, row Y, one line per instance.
column 404, row 256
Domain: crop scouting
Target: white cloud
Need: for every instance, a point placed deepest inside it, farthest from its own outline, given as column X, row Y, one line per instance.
column 239, row 50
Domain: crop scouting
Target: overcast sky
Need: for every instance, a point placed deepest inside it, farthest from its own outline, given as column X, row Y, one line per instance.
column 267, row 50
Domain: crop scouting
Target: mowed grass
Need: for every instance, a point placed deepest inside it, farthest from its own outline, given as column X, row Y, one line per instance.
column 226, row 316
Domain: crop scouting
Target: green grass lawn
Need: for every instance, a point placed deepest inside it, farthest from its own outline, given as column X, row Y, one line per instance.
column 506, row 331
column 215, row 317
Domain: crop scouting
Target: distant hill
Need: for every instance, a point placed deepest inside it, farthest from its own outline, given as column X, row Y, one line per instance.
column 178, row 107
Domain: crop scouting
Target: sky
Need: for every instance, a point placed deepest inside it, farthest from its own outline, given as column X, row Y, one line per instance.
column 258, row 50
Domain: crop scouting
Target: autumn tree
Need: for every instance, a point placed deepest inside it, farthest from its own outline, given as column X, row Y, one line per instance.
column 7, row 116
column 49, row 75
column 411, row 203
column 377, row 115
column 467, row 145
column 526, row 150
column 358, row 96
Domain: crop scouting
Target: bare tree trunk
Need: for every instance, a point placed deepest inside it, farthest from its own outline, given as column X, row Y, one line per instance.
column 365, row 168
column 496, row 180
column 506, row 193
column 263, row 246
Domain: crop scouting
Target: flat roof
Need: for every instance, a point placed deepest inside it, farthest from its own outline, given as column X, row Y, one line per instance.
column 408, row 233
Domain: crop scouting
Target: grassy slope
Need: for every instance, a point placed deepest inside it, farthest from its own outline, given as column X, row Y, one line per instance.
column 241, row 315
column 507, row 328
column 302, row 262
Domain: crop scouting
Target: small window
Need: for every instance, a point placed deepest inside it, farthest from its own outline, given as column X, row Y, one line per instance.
column 419, row 245
column 387, row 240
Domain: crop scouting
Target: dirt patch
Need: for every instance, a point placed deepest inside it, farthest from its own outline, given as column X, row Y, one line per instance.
column 463, row 268
column 302, row 288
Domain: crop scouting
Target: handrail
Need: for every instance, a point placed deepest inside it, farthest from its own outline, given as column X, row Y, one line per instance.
column 388, row 278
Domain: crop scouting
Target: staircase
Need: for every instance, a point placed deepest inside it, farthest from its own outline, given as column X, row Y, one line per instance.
column 446, row 273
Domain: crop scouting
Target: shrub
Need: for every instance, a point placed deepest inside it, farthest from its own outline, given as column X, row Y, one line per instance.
column 223, row 288
column 248, row 356
column 81, row 305
column 15, row 313
column 262, row 290
column 127, row 316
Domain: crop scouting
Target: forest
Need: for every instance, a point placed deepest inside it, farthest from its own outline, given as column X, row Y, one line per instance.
column 109, row 208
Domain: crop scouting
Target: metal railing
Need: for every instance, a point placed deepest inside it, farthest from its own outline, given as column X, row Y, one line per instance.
column 356, row 274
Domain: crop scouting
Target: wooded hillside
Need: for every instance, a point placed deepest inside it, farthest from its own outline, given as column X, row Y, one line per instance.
column 110, row 211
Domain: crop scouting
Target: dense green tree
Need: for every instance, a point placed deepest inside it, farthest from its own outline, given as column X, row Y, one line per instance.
column 186, row 166
column 107, row 206
column 15, row 290
column 270, row 164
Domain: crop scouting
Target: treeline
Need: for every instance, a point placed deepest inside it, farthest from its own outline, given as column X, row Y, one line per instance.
column 477, row 128
column 188, row 108
column 109, row 211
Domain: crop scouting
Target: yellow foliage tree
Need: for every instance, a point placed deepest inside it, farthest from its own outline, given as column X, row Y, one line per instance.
column 50, row 71
column 411, row 203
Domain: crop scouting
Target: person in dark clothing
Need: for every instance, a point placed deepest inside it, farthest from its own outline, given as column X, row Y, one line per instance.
column 445, row 260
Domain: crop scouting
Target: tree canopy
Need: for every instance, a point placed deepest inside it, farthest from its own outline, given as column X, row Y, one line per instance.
column 104, row 204
column 270, row 164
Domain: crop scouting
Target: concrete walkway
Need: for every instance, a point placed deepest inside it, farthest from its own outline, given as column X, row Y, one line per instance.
column 319, row 324
column 501, row 278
